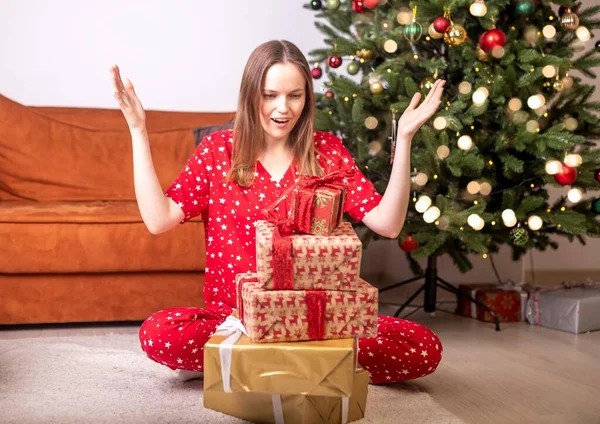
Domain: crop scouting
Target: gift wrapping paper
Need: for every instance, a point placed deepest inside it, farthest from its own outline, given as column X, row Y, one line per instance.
column 505, row 303
column 316, row 368
column 575, row 310
column 295, row 315
column 312, row 262
column 314, row 205
column 293, row 409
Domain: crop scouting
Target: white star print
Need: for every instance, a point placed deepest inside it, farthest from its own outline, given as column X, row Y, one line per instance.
column 231, row 210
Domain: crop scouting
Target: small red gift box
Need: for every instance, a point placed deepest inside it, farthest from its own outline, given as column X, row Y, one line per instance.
column 506, row 304
column 295, row 315
column 314, row 205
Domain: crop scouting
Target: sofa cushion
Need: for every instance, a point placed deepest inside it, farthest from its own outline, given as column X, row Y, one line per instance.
column 201, row 132
column 44, row 158
column 80, row 237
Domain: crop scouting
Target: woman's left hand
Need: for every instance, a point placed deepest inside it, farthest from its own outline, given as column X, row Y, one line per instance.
column 413, row 117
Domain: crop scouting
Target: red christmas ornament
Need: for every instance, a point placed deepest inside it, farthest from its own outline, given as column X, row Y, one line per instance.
column 358, row 6
column 329, row 94
column 564, row 9
column 441, row 24
column 597, row 175
column 566, row 176
column 371, row 4
column 316, row 73
column 492, row 38
column 335, row 61
column 409, row 244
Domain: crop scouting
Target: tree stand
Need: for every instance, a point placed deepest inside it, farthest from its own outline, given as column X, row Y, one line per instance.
column 432, row 281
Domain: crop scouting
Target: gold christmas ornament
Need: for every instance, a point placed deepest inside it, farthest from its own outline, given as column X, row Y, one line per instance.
column 376, row 87
column 557, row 85
column 482, row 55
column 365, row 54
column 427, row 83
column 569, row 21
column 434, row 34
column 456, row 35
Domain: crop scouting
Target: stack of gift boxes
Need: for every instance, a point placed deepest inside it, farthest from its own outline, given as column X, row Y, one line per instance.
column 289, row 354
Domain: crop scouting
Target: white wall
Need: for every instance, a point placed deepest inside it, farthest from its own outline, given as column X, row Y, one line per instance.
column 185, row 55
column 180, row 55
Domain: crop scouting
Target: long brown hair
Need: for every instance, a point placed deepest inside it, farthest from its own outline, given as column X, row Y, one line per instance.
column 248, row 134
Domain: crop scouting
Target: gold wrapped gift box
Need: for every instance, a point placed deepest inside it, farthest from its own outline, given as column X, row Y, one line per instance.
column 317, row 368
column 292, row 409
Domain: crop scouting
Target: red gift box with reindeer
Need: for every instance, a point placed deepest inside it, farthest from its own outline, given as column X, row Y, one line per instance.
column 314, row 205
column 308, row 262
column 506, row 303
column 296, row 315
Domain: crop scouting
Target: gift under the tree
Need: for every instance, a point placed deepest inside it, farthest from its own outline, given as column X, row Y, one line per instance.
column 506, row 303
column 295, row 315
column 314, row 205
column 308, row 262
column 293, row 409
column 234, row 363
column 576, row 310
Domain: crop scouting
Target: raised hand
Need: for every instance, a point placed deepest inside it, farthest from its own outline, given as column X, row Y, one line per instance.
column 128, row 101
column 413, row 117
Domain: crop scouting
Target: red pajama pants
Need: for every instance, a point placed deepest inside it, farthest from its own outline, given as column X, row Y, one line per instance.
column 402, row 350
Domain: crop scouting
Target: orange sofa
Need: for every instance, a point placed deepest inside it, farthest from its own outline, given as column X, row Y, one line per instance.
column 73, row 244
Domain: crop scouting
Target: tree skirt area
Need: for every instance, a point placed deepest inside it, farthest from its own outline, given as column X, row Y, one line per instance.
column 108, row 378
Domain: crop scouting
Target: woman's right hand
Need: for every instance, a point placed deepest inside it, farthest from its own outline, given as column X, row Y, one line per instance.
column 128, row 101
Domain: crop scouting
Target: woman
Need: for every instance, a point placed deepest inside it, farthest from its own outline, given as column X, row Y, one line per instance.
column 233, row 175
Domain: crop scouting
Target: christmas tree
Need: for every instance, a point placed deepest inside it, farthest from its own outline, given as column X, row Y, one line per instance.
column 515, row 117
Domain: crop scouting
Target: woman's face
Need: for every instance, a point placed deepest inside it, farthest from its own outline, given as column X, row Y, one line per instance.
column 282, row 101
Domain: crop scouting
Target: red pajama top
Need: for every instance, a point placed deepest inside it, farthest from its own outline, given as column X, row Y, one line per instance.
column 232, row 210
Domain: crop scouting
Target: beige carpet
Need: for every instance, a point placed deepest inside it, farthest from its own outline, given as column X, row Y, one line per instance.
column 107, row 379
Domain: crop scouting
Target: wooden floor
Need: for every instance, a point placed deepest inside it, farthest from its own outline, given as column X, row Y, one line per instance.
column 522, row 374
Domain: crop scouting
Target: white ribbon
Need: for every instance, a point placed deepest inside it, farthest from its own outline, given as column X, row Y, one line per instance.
column 278, row 409
column 233, row 328
column 473, row 304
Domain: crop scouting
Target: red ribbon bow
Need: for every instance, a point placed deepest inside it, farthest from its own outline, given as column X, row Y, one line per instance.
column 298, row 220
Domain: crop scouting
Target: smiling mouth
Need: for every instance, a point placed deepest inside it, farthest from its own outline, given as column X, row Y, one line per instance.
column 280, row 121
